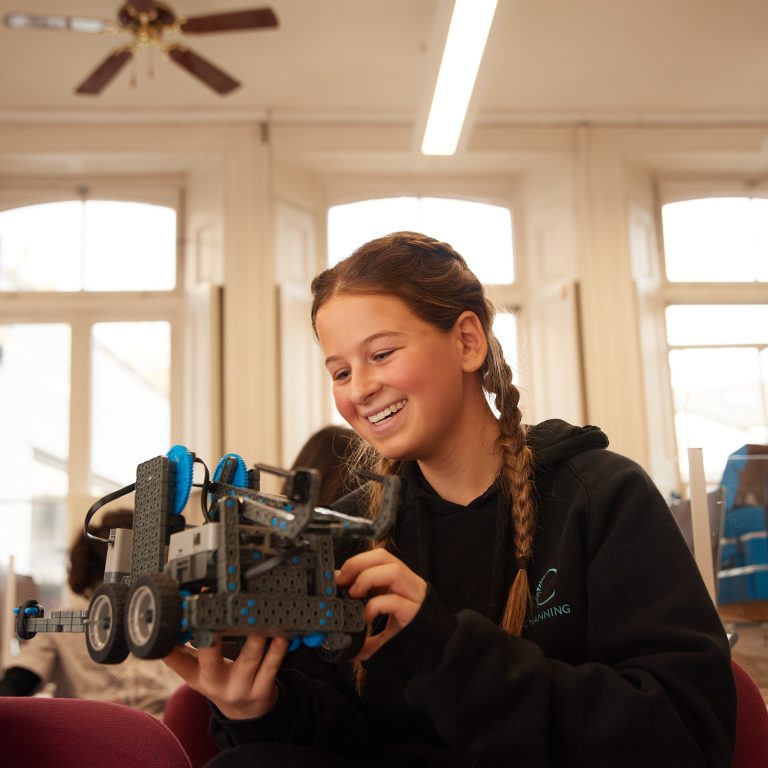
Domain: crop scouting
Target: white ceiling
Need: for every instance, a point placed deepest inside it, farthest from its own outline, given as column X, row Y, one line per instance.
column 366, row 60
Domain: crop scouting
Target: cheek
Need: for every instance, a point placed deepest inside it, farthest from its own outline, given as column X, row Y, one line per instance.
column 343, row 406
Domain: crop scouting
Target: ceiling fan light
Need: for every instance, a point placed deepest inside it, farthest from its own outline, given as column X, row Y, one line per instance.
column 30, row 21
column 464, row 47
column 77, row 24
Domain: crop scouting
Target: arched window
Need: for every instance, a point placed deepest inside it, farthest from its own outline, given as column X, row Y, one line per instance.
column 716, row 262
column 88, row 318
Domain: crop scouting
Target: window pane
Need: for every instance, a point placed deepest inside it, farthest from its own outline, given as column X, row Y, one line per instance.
column 717, row 324
column 41, row 247
column 34, row 449
column 716, row 240
column 481, row 233
column 129, row 247
column 93, row 246
column 130, row 410
column 719, row 399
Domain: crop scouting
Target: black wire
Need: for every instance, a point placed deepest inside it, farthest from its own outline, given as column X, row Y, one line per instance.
column 204, row 490
column 99, row 504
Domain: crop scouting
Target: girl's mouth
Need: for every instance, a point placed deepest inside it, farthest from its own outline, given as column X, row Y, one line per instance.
column 387, row 412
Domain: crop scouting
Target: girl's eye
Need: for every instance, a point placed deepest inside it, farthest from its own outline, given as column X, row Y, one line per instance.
column 340, row 375
column 379, row 356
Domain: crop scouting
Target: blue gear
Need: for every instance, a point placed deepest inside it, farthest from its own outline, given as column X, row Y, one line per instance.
column 184, row 460
column 241, row 473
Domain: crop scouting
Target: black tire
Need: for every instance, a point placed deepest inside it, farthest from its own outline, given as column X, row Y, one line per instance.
column 153, row 616
column 21, row 632
column 104, row 635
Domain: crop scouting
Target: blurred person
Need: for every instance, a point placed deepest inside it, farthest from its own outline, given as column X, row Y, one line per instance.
column 328, row 450
column 62, row 659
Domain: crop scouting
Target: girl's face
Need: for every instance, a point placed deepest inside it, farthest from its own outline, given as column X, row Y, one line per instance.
column 398, row 381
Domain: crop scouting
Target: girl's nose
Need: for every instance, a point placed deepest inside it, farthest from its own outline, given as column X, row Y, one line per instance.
column 363, row 387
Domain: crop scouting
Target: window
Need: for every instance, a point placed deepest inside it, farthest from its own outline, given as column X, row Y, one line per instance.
column 85, row 364
column 482, row 233
column 716, row 260
column 91, row 245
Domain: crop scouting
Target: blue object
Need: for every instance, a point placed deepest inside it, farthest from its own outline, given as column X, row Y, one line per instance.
column 294, row 644
column 314, row 639
column 743, row 574
column 184, row 460
column 241, row 472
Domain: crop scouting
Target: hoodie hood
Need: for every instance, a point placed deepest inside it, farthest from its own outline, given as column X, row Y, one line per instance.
column 554, row 440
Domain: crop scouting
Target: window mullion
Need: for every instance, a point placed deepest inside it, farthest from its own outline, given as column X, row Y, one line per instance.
column 80, row 421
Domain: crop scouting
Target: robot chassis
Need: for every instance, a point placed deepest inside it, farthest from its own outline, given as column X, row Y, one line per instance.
column 260, row 563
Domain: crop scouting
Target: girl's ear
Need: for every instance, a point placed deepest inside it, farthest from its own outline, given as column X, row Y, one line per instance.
column 473, row 341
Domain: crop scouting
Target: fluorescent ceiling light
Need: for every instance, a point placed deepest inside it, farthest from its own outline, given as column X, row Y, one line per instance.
column 467, row 35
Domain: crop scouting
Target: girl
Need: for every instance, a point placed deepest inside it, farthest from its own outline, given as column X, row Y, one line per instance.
column 535, row 605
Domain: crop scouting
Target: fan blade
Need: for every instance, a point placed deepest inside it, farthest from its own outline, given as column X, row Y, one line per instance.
column 143, row 6
column 196, row 65
column 258, row 18
column 61, row 23
column 101, row 76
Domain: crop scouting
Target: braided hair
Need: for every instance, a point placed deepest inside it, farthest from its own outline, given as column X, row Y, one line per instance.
column 439, row 287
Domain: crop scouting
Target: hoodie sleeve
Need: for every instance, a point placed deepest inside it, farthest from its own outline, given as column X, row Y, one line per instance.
column 311, row 711
column 655, row 686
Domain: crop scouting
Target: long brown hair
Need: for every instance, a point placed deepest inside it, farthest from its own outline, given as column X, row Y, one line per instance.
column 436, row 284
column 328, row 450
column 87, row 557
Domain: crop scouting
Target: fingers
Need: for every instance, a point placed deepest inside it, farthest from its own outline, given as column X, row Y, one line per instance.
column 261, row 657
column 379, row 571
column 352, row 567
column 273, row 658
column 396, row 607
column 183, row 663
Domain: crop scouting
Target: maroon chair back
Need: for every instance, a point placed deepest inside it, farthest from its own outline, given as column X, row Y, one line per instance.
column 79, row 733
column 188, row 715
column 751, row 750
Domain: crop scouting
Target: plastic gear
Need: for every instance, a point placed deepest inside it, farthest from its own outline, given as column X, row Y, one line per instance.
column 184, row 460
column 241, row 473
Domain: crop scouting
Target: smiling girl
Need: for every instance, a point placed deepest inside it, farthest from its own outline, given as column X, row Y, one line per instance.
column 535, row 604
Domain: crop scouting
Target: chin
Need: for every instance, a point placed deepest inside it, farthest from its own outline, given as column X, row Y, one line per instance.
column 393, row 453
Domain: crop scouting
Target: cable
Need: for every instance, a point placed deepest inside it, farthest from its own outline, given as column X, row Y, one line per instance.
column 99, row 504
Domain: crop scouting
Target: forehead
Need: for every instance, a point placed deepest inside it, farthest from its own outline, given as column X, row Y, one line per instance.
column 355, row 317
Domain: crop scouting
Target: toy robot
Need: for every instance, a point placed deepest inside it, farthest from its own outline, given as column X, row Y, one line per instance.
column 260, row 563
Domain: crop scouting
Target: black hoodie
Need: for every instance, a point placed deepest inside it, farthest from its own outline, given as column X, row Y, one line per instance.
column 623, row 660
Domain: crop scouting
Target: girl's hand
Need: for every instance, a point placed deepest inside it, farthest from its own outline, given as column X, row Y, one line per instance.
column 242, row 688
column 392, row 588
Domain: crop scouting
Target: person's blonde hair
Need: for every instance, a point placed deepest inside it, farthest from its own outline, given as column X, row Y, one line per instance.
column 436, row 284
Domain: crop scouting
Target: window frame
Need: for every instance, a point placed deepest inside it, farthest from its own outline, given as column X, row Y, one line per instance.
column 673, row 189
column 82, row 309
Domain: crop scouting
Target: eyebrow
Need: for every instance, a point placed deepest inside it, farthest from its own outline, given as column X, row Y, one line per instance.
column 368, row 340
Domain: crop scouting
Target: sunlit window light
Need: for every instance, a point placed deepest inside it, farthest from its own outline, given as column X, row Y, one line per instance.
column 464, row 46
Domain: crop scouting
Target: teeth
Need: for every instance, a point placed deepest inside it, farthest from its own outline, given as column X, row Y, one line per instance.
column 388, row 411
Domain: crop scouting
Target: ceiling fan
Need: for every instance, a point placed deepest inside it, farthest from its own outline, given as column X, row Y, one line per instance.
column 149, row 22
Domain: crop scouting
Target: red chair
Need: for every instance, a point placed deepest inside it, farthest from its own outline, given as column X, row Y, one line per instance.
column 751, row 749
column 188, row 715
column 80, row 733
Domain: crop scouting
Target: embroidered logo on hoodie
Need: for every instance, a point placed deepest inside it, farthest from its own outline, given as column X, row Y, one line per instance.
column 544, row 597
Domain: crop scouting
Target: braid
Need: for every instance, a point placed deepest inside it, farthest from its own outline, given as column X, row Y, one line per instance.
column 516, row 471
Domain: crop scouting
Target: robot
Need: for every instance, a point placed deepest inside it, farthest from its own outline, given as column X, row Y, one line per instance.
column 260, row 563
